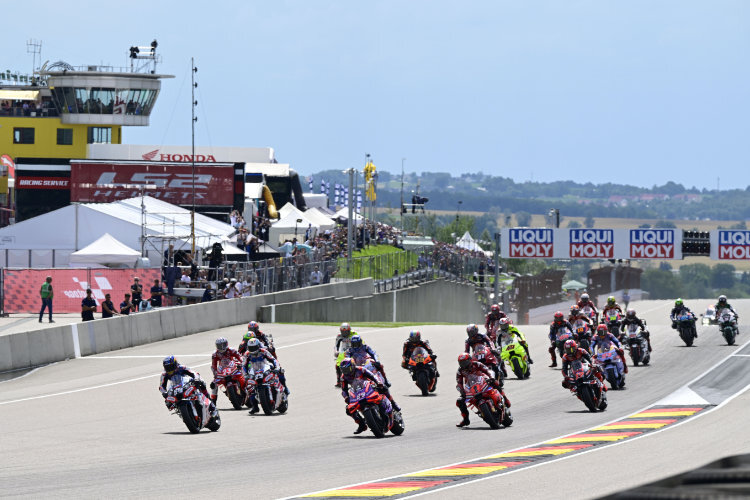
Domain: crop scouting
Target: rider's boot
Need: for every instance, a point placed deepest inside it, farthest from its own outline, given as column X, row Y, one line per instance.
column 552, row 355
column 338, row 376
column 362, row 425
column 465, row 421
column 505, row 399
column 395, row 405
column 528, row 354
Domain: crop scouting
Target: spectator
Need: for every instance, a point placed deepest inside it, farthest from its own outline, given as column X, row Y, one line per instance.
column 316, row 277
column 185, row 278
column 156, row 293
column 88, row 307
column 247, row 284
column 108, row 307
column 207, row 296
column 126, row 306
column 46, row 294
column 136, row 289
column 625, row 300
column 231, row 292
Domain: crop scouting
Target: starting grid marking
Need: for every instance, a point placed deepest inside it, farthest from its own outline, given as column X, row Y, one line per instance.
column 638, row 424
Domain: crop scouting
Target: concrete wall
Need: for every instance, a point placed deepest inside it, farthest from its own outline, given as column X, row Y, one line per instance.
column 29, row 349
column 435, row 301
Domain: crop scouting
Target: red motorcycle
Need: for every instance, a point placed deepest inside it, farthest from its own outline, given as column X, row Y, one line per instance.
column 374, row 408
column 583, row 382
column 487, row 358
column 229, row 377
column 187, row 400
column 486, row 401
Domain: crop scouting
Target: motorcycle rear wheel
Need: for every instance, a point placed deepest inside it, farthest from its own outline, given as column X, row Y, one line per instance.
column 489, row 416
column 186, row 412
column 372, row 417
column 423, row 382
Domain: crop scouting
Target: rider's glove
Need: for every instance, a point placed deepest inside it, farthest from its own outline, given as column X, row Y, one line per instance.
column 434, row 356
column 381, row 388
column 164, row 395
column 213, row 385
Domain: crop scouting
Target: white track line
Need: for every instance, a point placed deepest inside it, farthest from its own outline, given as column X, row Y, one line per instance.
column 43, row 396
column 545, row 462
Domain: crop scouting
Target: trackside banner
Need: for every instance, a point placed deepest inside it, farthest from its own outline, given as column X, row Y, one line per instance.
column 634, row 244
column 730, row 245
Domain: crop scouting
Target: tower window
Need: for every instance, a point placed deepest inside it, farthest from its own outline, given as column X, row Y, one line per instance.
column 65, row 136
column 100, row 135
column 23, row 135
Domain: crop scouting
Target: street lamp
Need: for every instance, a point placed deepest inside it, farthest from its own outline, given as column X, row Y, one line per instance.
column 295, row 228
column 458, row 209
column 555, row 212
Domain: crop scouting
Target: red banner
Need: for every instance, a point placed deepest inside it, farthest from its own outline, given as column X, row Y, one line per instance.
column 105, row 182
column 69, row 287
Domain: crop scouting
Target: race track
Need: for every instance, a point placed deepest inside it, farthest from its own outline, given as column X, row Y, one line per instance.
column 97, row 426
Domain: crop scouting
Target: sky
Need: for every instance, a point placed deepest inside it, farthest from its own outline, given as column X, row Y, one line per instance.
column 636, row 92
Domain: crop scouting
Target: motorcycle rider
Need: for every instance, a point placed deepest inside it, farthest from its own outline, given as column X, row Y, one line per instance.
column 612, row 305
column 493, row 317
column 414, row 341
column 475, row 338
column 222, row 353
column 256, row 352
column 267, row 342
column 571, row 353
column 558, row 322
column 343, row 342
column 632, row 319
column 349, row 372
column 175, row 371
column 723, row 304
column 242, row 349
column 678, row 309
column 585, row 301
column 359, row 352
column 602, row 337
column 576, row 315
column 465, row 367
column 508, row 332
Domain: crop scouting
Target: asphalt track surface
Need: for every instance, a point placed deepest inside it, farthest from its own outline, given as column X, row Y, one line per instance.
column 97, row 426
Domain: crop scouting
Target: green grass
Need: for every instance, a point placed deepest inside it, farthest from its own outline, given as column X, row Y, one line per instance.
column 376, row 250
column 383, row 262
column 379, row 324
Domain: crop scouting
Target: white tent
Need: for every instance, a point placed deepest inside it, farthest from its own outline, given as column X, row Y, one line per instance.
column 107, row 251
column 287, row 226
column 323, row 221
column 468, row 243
column 71, row 228
column 344, row 212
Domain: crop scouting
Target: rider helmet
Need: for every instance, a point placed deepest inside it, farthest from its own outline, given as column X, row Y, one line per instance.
column 722, row 299
column 249, row 335
column 464, row 360
column 602, row 330
column 253, row 326
column 221, row 344
column 356, row 341
column 574, row 311
column 345, row 329
column 570, row 346
column 495, row 308
column 347, row 366
column 253, row 346
column 585, row 298
column 611, row 300
column 559, row 317
column 630, row 313
column 504, row 324
column 678, row 303
column 472, row 329
column 415, row 336
column 170, row 364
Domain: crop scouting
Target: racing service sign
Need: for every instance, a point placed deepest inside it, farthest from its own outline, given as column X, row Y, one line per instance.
column 730, row 245
column 24, row 182
column 592, row 244
column 102, row 182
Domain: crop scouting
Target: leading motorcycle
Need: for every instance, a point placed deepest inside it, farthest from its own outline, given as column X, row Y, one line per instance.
column 187, row 400
column 374, row 408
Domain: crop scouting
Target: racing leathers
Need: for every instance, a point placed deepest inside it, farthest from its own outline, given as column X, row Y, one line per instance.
column 343, row 343
column 609, row 338
column 267, row 343
column 476, row 368
column 409, row 347
column 492, row 318
column 176, row 378
column 553, row 327
column 682, row 309
column 508, row 336
column 361, row 372
column 607, row 308
column 477, row 339
column 568, row 358
column 252, row 358
column 218, row 358
column 360, row 355
column 638, row 322
column 719, row 306
column 581, row 304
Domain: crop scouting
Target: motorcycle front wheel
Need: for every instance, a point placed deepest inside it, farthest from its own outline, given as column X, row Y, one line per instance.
column 587, row 396
column 188, row 416
column 729, row 336
column 687, row 336
column 264, row 393
column 423, row 382
column 374, row 422
column 489, row 416
column 234, row 398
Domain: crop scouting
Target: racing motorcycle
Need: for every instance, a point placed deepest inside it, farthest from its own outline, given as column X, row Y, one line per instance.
column 422, row 370
column 514, row 353
column 229, row 377
column 685, row 324
column 728, row 325
column 263, row 383
column 637, row 344
column 374, row 408
column 587, row 386
column 583, row 332
column 588, row 311
column 614, row 320
column 481, row 398
column 488, row 359
column 562, row 334
column 611, row 364
column 187, row 400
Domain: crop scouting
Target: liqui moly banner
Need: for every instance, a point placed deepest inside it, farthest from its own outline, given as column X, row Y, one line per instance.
column 69, row 287
column 730, row 245
column 533, row 243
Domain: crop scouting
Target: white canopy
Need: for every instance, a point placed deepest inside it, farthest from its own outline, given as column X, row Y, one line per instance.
column 344, row 212
column 286, row 227
column 107, row 251
column 323, row 221
column 468, row 243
